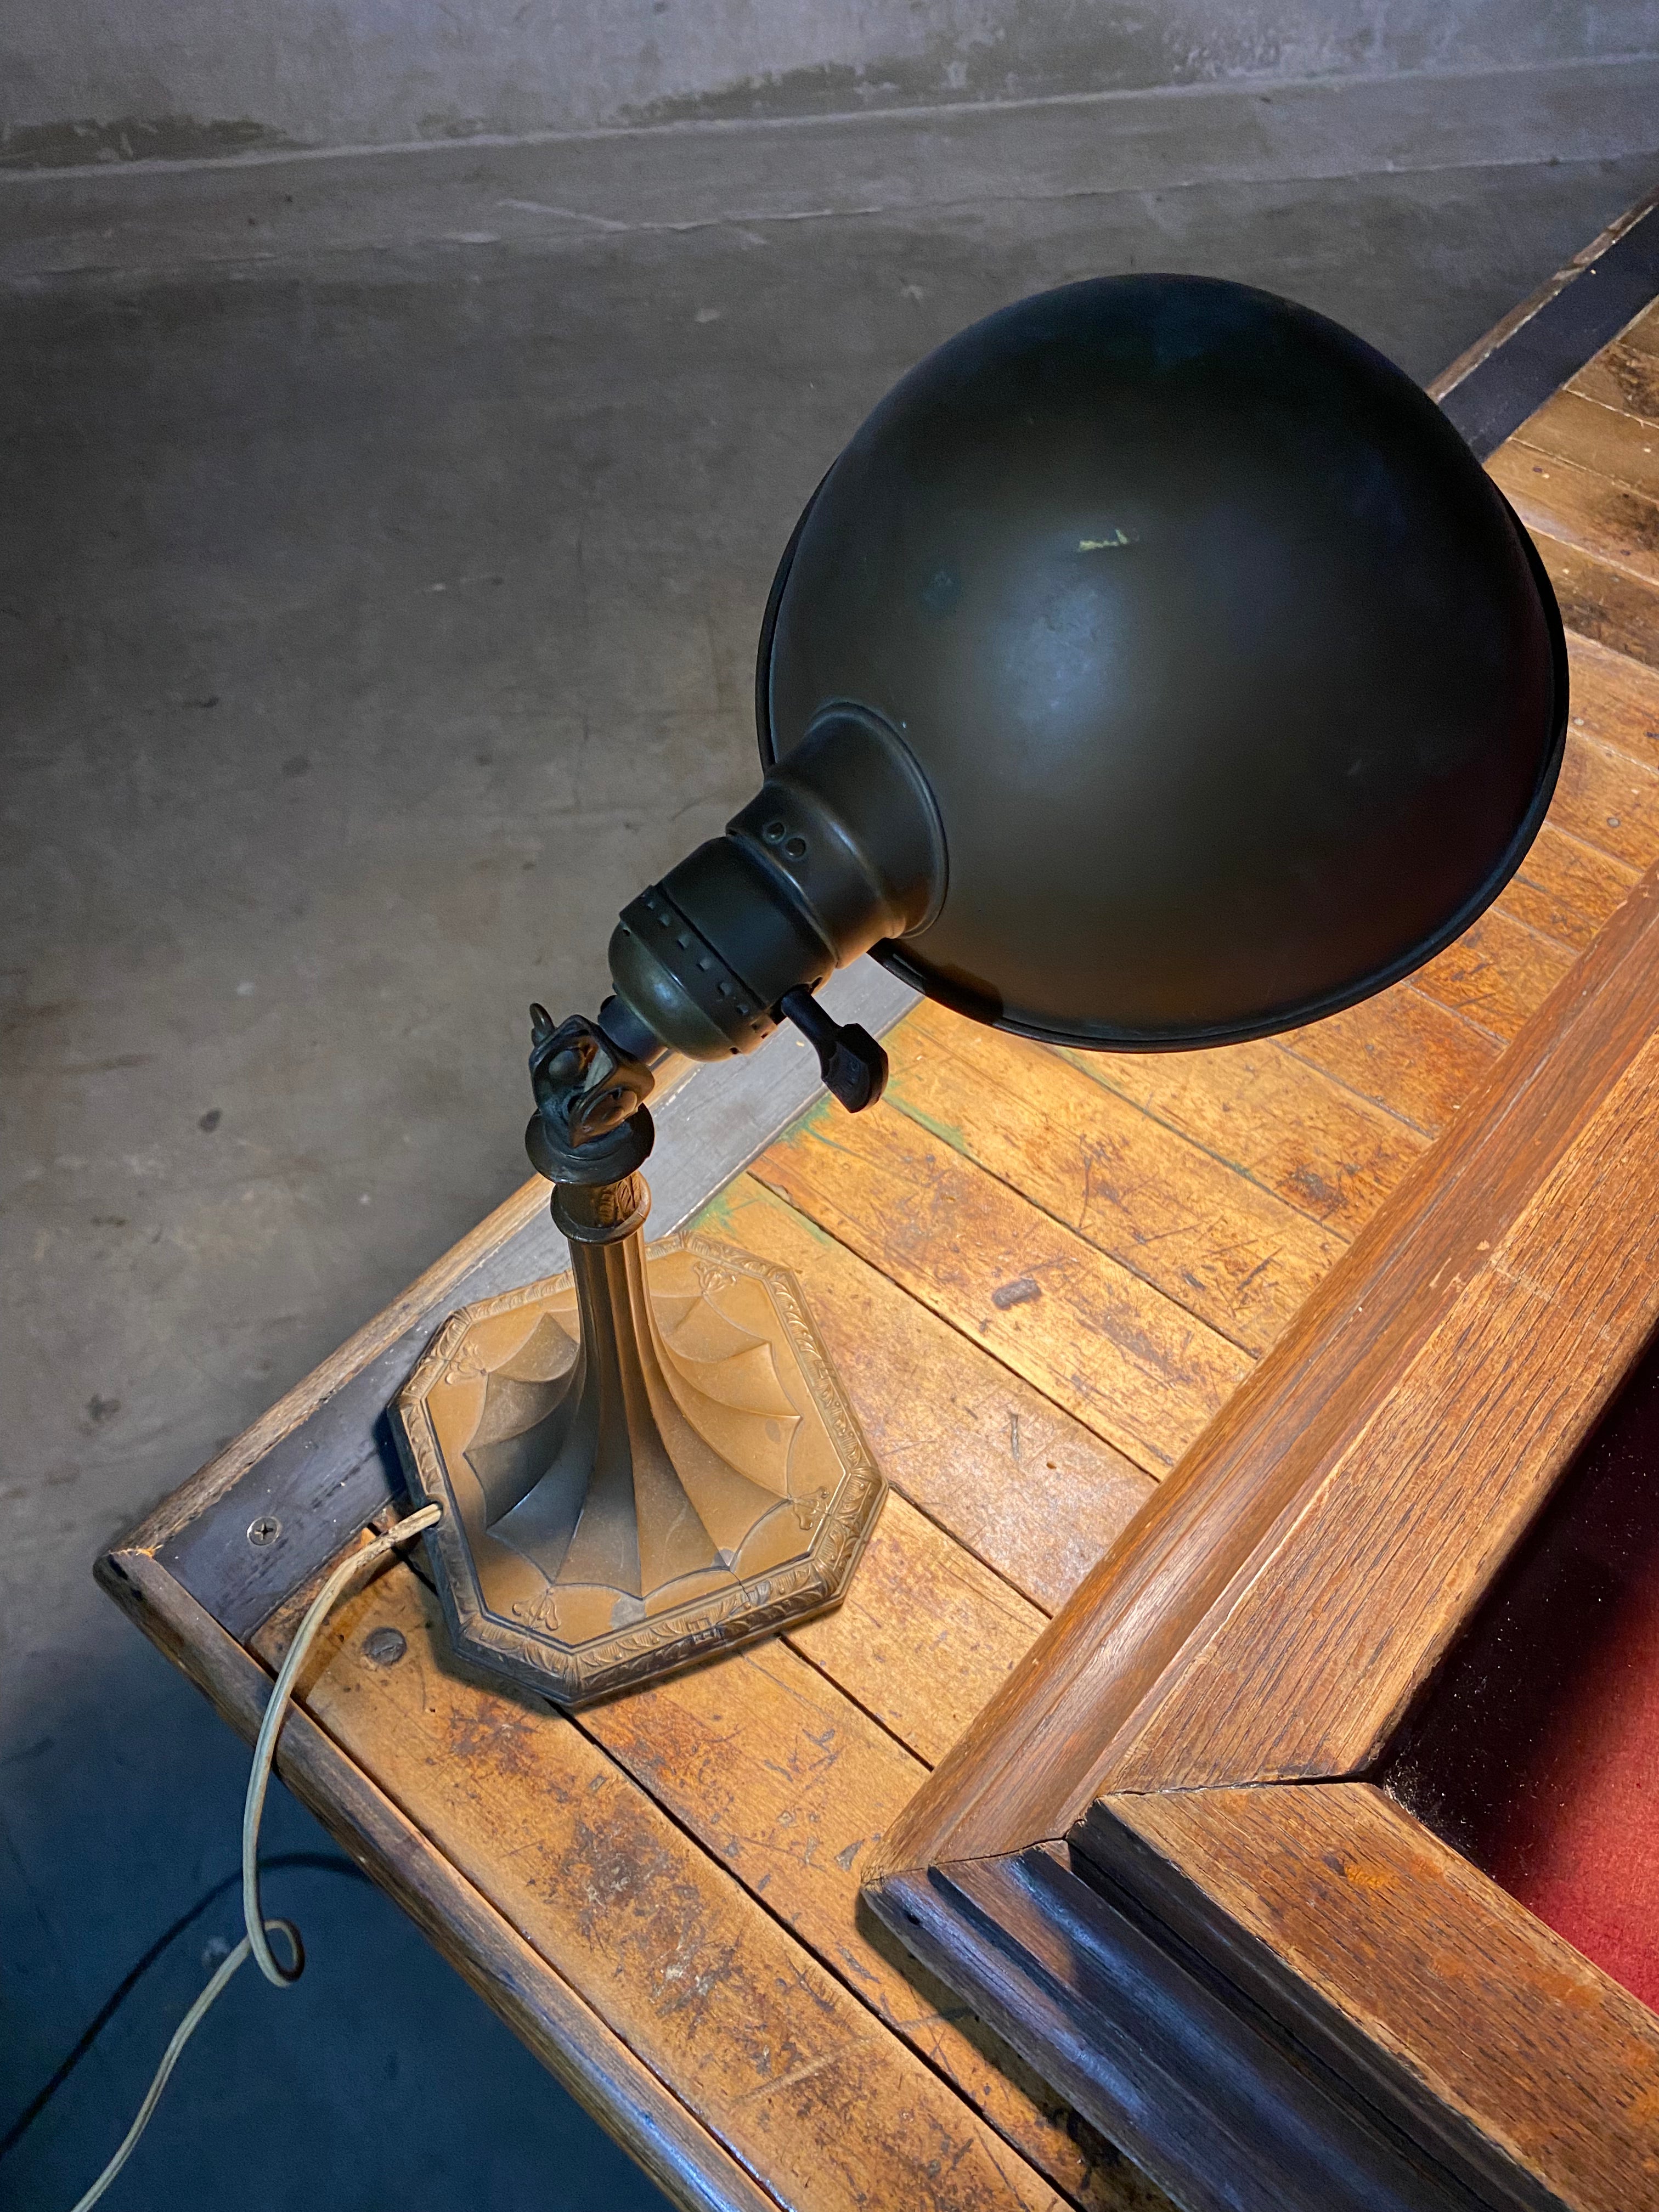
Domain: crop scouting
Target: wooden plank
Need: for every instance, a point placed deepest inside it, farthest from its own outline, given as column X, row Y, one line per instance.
column 1608, row 798
column 1273, row 1118
column 1076, row 1326
column 566, row 2034
column 1581, row 507
column 1615, row 448
column 1567, row 889
column 1615, row 701
column 1498, row 2019
column 924, row 1635
column 787, row 1785
column 1496, row 974
column 1400, row 1051
column 1207, row 2092
column 800, row 2082
column 1022, row 1485
column 1602, row 601
column 1088, row 1694
column 1602, row 830
column 1197, row 1230
column 765, row 1742
column 1625, row 375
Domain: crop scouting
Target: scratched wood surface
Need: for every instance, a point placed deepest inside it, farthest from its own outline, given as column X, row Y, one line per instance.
column 1042, row 1276
column 1368, row 1908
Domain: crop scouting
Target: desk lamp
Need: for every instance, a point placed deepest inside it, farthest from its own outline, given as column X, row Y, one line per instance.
column 1156, row 668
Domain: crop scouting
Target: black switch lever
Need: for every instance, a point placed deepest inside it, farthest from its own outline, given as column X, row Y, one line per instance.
column 853, row 1065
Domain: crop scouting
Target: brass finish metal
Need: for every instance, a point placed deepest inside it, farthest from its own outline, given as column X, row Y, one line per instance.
column 641, row 1463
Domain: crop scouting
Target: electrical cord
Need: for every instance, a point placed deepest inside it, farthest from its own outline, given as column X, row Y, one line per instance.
column 264, row 1744
column 254, row 1943
column 309, row 1862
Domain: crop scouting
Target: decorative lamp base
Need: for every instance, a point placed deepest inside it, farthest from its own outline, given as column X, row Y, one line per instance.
column 641, row 1463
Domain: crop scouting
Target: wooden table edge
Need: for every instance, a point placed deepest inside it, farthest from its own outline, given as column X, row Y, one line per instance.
column 1457, row 373
column 629, row 2101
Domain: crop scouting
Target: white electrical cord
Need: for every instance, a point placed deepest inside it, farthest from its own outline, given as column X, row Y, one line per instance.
column 264, row 1752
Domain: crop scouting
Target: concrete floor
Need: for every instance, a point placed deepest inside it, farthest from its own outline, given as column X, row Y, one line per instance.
column 384, row 547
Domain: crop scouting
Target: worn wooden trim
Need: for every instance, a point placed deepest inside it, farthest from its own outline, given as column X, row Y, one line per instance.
column 569, row 2038
column 1287, row 1993
column 1141, row 1655
column 1422, row 1983
column 1293, row 1999
column 1183, row 2052
column 1489, row 391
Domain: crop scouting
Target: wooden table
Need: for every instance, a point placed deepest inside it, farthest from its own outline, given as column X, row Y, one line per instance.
column 1043, row 1275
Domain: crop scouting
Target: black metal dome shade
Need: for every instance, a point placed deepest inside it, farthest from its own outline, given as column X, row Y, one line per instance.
column 1156, row 667
column 1238, row 688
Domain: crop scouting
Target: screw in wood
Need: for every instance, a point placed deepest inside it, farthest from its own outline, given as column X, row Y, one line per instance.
column 385, row 1647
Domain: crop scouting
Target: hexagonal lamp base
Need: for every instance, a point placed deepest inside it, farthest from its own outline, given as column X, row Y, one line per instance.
column 641, row 1463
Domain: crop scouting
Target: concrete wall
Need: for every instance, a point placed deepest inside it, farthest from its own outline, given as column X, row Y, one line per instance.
column 118, row 80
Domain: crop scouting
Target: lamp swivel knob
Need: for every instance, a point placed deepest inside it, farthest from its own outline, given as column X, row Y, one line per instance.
column 853, row 1065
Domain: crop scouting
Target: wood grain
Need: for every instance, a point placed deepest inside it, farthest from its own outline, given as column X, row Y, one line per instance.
column 775, row 1753
column 1580, row 506
column 1624, row 376
column 787, row 1785
column 1602, row 830
column 1273, row 1118
column 1076, row 1326
column 1400, row 1051
column 796, row 2079
column 1206, row 1236
column 1079, row 1702
column 1018, row 1482
column 925, row 1635
column 1336, row 1622
column 1608, row 798
column 1615, row 701
column 1174, row 2047
column 1498, row 2018
column 1612, row 447
column 1497, row 974
column 566, row 2035
column 1602, row 600
column 1567, row 888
